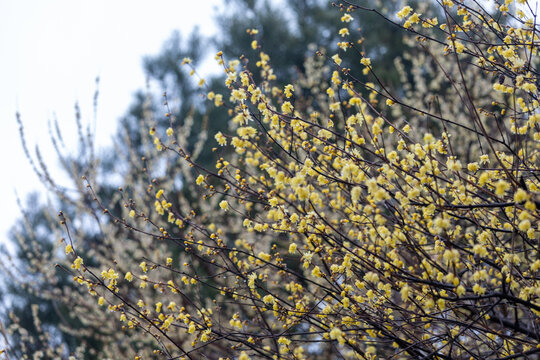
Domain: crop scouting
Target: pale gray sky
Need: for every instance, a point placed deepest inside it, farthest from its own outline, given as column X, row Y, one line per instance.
column 52, row 51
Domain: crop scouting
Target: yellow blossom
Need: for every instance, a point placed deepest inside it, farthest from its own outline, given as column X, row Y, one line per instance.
column 243, row 356
column 292, row 248
column 415, row 18
column 404, row 12
column 77, row 263
column 365, row 61
column 287, row 107
column 222, row 141
column 347, row 18
column 69, row 249
column 199, row 180
column 224, row 205
column 344, row 32
column 520, row 195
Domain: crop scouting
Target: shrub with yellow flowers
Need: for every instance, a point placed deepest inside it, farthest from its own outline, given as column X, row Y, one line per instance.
column 355, row 220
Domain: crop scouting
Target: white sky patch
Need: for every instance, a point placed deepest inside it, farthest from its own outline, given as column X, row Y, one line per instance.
column 53, row 50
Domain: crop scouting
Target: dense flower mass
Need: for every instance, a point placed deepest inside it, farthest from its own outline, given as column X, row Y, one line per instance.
column 352, row 220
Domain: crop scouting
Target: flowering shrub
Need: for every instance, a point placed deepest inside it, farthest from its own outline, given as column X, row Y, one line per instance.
column 346, row 219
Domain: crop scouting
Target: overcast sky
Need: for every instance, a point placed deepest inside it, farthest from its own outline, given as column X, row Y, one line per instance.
column 51, row 53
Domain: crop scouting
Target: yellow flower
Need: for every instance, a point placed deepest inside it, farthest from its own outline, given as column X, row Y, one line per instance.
column 480, row 250
column 529, row 87
column 520, row 196
column 484, row 159
column 371, row 277
column 454, row 165
column 292, row 248
column 508, row 53
column 69, row 249
column 451, row 256
column 244, row 356
column 77, row 263
column 460, row 290
column 251, row 280
column 222, row 141
column 170, row 132
column 218, row 100
column 336, row 59
column 355, row 194
column 479, row 290
column 459, row 47
column 200, row 180
column 472, row 166
column 266, row 257
column 224, row 205
column 343, row 32
column 337, row 334
column 289, row 90
column 287, row 107
column 404, row 12
column 316, row 272
column 501, row 187
column 284, row 341
column 415, row 18
column 430, row 22
column 246, row 132
column 347, row 18
column 128, row 276
column 405, row 291
column 238, row 94
column 524, row 225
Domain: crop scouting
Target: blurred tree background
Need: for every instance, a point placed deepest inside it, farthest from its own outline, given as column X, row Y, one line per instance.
column 37, row 317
